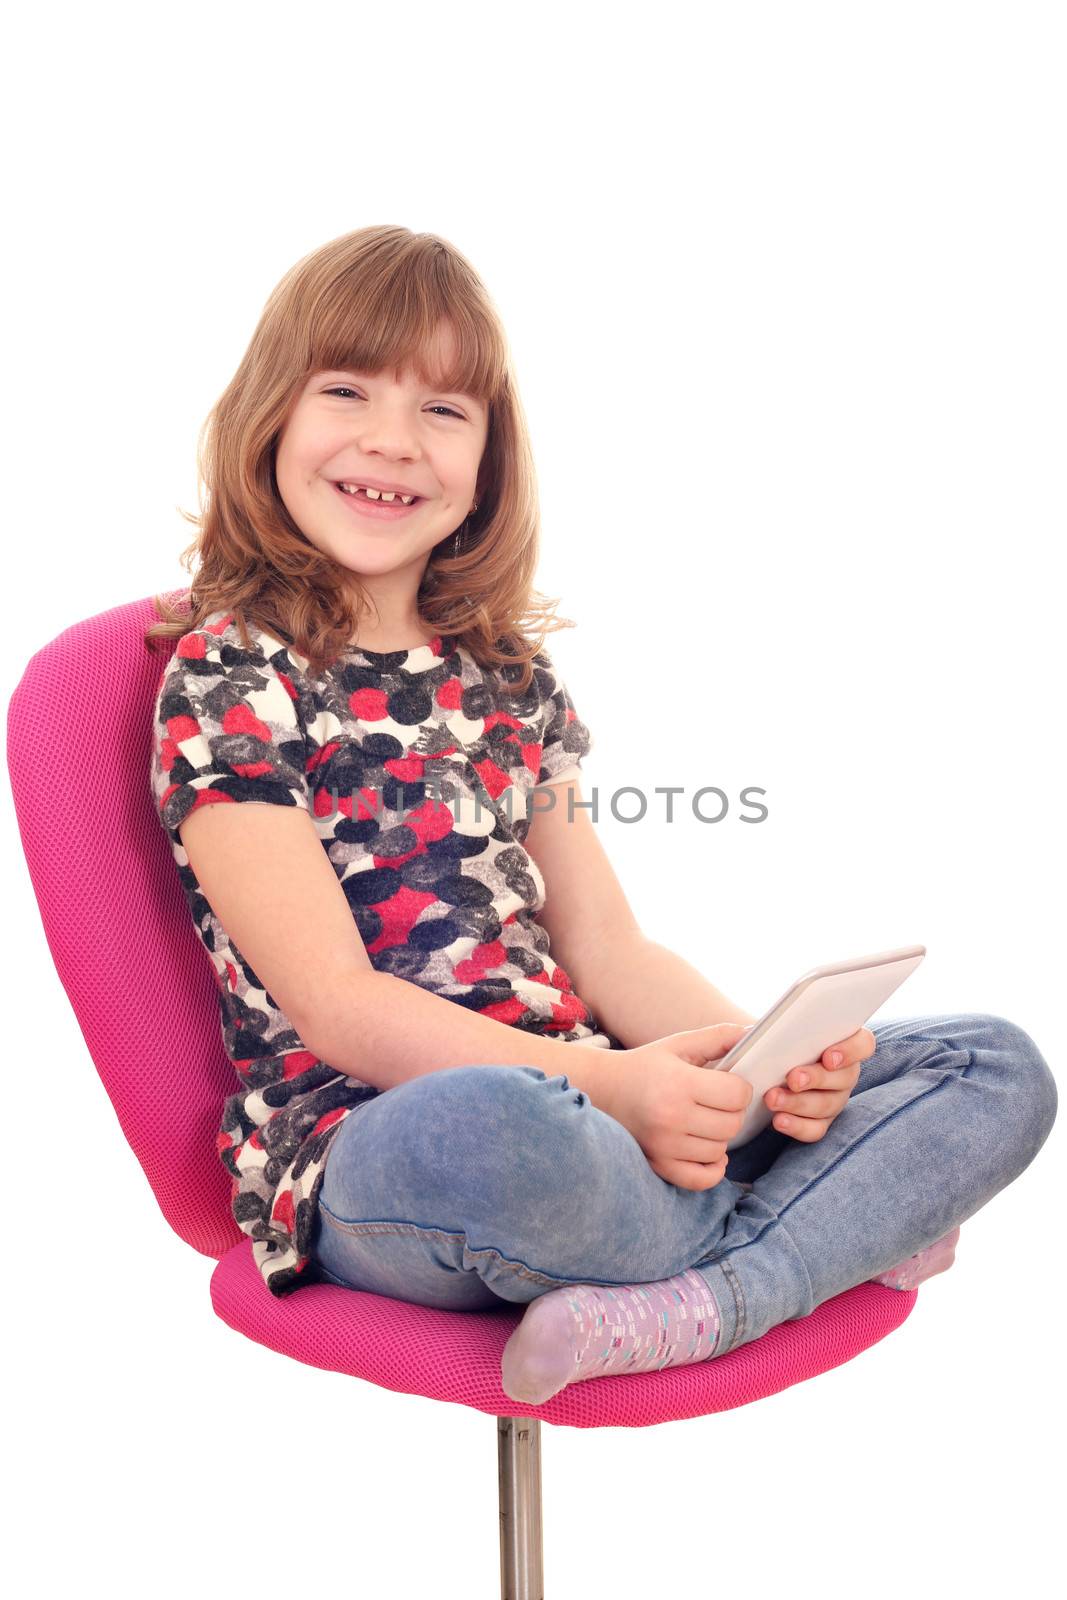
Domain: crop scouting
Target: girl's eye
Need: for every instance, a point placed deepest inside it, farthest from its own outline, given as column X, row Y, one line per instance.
column 342, row 388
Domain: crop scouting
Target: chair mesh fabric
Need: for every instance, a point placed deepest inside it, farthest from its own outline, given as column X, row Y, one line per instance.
column 455, row 1355
column 144, row 995
column 79, row 728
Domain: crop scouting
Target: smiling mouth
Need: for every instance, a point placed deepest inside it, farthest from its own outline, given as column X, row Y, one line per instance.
column 359, row 491
column 378, row 510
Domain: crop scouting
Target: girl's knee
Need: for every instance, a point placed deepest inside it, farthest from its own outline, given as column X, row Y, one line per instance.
column 500, row 1149
column 1029, row 1075
column 481, row 1117
column 480, row 1091
column 523, row 1109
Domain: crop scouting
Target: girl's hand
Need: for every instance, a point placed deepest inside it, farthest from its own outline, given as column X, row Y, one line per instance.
column 681, row 1113
column 807, row 1115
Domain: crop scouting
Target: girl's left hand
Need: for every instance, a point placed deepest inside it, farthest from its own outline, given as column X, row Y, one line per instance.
column 807, row 1115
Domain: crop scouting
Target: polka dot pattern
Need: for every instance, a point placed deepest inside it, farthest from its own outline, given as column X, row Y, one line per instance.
column 415, row 767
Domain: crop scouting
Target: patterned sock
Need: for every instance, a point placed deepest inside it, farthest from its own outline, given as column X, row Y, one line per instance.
column 588, row 1330
column 937, row 1257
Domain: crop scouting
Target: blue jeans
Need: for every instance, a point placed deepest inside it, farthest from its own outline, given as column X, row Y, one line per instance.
column 480, row 1184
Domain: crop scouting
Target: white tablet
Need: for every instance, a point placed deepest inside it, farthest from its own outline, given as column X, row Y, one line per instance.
column 823, row 1007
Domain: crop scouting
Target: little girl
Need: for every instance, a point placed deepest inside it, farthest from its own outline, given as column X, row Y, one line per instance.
column 467, row 1077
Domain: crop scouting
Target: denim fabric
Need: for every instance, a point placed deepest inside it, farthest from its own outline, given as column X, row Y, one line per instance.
column 477, row 1184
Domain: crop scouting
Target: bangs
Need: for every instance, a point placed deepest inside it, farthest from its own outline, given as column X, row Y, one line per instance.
column 386, row 321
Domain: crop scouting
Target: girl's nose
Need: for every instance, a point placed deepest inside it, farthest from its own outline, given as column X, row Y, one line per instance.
column 389, row 432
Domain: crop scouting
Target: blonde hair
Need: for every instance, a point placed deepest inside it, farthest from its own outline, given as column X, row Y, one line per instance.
column 370, row 300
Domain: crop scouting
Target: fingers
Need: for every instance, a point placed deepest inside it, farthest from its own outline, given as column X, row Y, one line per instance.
column 816, row 1103
column 858, row 1047
column 827, row 1096
column 816, row 1092
column 806, row 1129
column 813, row 1076
column 706, row 1150
column 696, row 1175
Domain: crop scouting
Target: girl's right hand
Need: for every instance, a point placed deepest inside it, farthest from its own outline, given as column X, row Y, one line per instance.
column 681, row 1113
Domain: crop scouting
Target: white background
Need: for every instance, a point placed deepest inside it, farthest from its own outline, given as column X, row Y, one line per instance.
column 784, row 288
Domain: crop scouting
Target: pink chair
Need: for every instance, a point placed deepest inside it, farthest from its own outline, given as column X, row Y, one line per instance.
column 89, row 693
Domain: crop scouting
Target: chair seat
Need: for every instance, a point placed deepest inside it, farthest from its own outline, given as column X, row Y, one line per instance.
column 455, row 1355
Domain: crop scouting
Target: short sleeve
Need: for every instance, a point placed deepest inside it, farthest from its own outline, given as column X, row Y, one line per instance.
column 564, row 777
column 226, row 730
column 565, row 739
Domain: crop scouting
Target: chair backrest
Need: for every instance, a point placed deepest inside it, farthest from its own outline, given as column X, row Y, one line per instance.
column 114, row 914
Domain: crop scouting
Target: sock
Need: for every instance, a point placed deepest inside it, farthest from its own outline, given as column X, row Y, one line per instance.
column 937, row 1257
column 588, row 1330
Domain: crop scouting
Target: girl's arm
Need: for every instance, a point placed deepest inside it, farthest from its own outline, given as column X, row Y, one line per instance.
column 265, row 874
column 643, row 991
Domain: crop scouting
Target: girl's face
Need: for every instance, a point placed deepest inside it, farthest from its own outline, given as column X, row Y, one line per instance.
column 386, row 428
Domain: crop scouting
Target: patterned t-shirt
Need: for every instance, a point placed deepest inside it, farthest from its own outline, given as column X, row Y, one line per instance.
column 416, row 769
